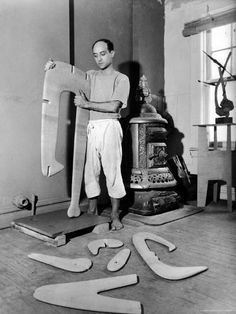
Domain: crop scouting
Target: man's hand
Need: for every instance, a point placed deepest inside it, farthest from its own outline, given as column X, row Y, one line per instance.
column 49, row 65
column 81, row 100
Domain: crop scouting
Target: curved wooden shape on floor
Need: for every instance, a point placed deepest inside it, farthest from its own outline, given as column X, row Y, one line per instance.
column 64, row 77
column 119, row 260
column 95, row 245
column 84, row 295
column 77, row 265
column 161, row 269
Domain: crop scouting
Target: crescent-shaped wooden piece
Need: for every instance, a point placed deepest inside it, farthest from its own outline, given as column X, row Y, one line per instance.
column 161, row 269
column 119, row 260
column 77, row 265
column 95, row 245
column 64, row 77
column 84, row 295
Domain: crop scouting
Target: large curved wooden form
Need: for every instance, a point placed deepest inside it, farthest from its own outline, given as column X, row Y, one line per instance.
column 64, row 77
column 158, row 267
column 84, row 295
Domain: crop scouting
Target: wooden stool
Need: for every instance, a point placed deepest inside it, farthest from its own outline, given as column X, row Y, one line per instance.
column 214, row 164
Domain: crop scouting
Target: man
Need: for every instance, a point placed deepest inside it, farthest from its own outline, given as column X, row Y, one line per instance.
column 109, row 94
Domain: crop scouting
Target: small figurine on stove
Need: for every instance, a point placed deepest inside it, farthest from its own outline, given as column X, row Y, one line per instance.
column 144, row 99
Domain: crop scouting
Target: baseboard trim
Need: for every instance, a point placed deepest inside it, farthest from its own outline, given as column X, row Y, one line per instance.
column 6, row 218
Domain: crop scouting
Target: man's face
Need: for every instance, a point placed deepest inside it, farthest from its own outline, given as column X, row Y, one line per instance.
column 103, row 57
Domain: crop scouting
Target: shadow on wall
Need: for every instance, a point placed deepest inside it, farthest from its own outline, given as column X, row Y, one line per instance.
column 174, row 136
column 175, row 149
column 133, row 70
column 71, row 113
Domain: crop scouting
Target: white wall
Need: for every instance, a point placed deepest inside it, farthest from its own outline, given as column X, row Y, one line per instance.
column 183, row 68
column 31, row 32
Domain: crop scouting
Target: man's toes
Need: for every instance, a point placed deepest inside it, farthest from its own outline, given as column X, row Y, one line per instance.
column 116, row 225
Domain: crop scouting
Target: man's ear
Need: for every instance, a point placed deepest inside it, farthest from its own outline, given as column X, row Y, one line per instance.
column 112, row 53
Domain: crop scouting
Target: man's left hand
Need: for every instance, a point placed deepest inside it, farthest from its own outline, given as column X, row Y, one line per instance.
column 81, row 100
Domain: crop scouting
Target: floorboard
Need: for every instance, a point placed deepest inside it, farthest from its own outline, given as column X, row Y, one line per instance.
column 206, row 238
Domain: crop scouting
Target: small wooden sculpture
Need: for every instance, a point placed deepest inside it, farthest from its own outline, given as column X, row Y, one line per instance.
column 158, row 267
column 71, row 264
column 119, row 260
column 95, row 245
column 84, row 295
column 64, row 77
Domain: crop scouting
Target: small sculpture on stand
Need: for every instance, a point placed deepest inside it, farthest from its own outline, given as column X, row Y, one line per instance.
column 144, row 99
column 223, row 109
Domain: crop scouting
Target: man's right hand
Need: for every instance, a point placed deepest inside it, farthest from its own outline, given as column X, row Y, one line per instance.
column 49, row 65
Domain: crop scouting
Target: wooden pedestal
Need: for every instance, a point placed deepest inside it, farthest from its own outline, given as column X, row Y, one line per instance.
column 215, row 164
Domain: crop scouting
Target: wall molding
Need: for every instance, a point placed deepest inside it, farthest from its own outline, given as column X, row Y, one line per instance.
column 10, row 208
column 44, row 206
column 209, row 21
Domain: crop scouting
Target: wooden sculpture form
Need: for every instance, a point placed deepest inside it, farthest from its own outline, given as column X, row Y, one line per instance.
column 64, row 77
column 85, row 295
column 161, row 269
column 95, row 245
column 76, row 265
column 119, row 260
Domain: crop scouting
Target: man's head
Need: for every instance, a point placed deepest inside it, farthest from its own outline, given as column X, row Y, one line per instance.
column 103, row 52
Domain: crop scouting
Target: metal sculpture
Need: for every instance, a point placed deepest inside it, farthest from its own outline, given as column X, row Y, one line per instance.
column 223, row 108
column 226, row 105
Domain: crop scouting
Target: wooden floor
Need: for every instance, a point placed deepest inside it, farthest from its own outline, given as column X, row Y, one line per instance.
column 207, row 238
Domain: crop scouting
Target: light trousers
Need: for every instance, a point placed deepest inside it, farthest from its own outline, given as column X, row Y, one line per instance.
column 104, row 149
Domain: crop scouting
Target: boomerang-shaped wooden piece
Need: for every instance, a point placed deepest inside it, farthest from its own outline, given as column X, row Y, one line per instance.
column 84, row 295
column 64, row 77
column 95, row 245
column 77, row 265
column 161, row 269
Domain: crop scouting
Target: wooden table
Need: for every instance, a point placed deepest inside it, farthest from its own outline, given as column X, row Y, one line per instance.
column 215, row 164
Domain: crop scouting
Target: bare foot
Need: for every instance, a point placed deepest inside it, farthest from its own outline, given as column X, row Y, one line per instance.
column 93, row 206
column 73, row 211
column 92, row 211
column 116, row 224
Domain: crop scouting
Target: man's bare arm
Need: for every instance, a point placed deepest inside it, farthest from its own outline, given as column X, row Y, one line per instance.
column 107, row 106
